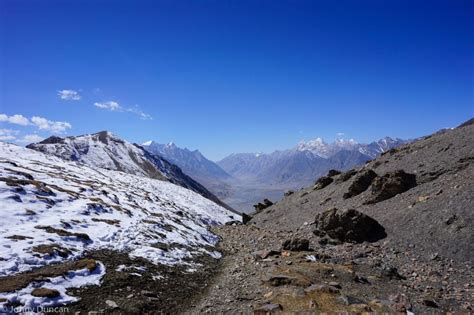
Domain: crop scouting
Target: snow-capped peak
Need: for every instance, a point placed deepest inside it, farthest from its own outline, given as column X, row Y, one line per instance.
column 147, row 143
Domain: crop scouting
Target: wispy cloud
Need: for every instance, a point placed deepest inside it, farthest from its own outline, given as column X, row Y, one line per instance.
column 15, row 119
column 69, row 95
column 136, row 110
column 30, row 139
column 110, row 105
column 8, row 134
column 340, row 134
column 48, row 125
column 116, row 107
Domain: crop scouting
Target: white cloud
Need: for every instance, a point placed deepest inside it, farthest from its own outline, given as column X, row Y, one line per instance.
column 115, row 107
column 30, row 139
column 340, row 134
column 69, row 95
column 110, row 105
column 53, row 126
column 136, row 110
column 8, row 134
column 15, row 119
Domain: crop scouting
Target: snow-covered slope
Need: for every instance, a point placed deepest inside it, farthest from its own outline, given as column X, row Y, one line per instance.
column 47, row 201
column 107, row 151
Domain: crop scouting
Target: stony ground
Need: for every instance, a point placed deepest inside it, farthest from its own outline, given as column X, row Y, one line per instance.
column 257, row 275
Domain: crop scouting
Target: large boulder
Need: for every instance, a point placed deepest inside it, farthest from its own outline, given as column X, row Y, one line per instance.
column 360, row 183
column 348, row 226
column 391, row 184
column 322, row 182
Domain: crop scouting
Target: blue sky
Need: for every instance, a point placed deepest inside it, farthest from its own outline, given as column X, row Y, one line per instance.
column 235, row 76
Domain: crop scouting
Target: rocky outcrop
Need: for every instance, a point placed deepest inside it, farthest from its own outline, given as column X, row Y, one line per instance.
column 246, row 218
column 345, row 176
column 322, row 182
column 348, row 226
column 360, row 183
column 332, row 173
column 288, row 193
column 261, row 206
column 391, row 184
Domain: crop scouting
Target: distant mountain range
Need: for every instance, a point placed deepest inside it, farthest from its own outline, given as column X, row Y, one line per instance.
column 195, row 165
column 301, row 165
column 242, row 179
column 107, row 151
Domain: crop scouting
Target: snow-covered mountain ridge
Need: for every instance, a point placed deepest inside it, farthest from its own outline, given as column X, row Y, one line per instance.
column 325, row 150
column 54, row 210
column 107, row 151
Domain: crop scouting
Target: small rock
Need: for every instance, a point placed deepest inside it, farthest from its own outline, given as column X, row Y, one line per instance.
column 451, row 219
column 400, row 303
column 296, row 244
column 335, row 284
column 391, row 272
column 267, row 309
column 321, row 288
column 360, row 279
column 430, row 303
column 111, row 304
column 263, row 254
column 435, row 256
column 148, row 293
column 350, row 300
column 278, row 280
